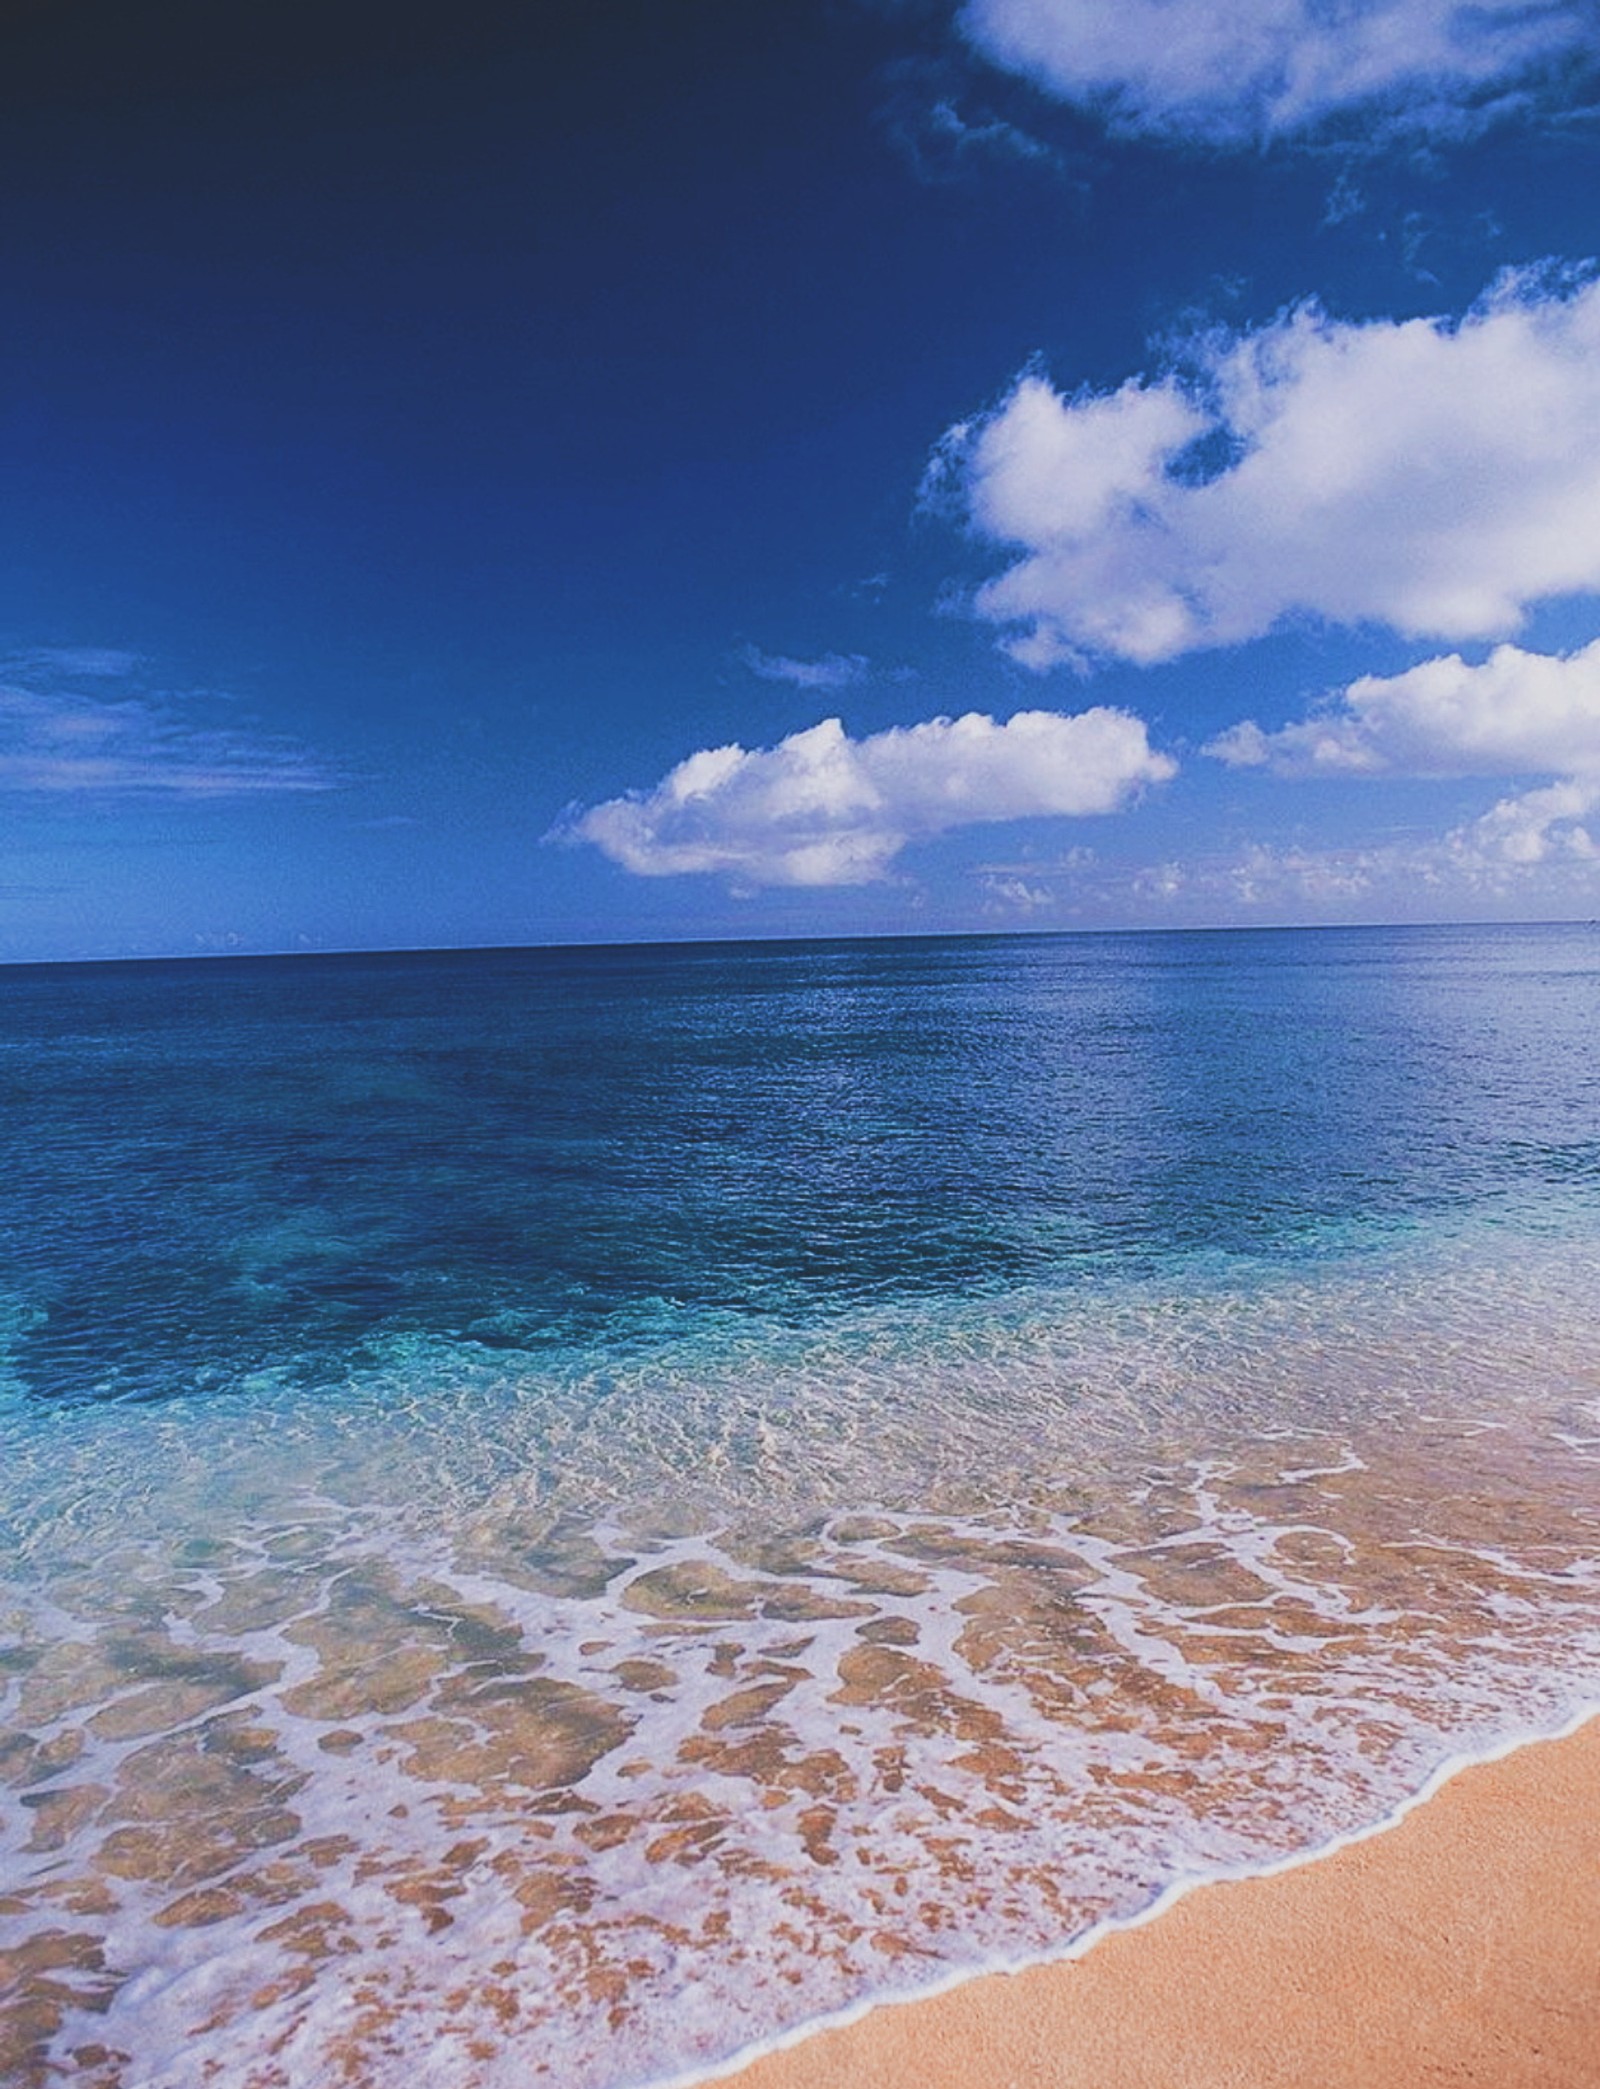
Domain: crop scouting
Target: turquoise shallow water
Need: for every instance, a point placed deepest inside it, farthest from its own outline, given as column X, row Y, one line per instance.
column 566, row 1512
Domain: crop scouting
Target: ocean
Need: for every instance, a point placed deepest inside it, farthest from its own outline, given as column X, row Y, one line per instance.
column 565, row 1513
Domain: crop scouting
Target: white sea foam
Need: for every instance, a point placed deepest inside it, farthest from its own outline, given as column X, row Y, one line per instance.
column 1180, row 1889
column 662, row 1710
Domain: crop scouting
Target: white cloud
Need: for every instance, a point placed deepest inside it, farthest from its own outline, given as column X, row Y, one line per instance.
column 1013, row 895
column 1513, row 714
column 1516, row 713
column 1437, row 477
column 823, row 809
column 831, row 671
column 1535, row 827
column 1529, row 854
column 56, row 741
column 1236, row 71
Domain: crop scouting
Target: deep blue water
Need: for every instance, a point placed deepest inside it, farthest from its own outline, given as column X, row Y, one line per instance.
column 215, row 1167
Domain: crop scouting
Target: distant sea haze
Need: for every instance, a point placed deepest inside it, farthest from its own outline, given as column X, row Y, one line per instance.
column 568, row 1512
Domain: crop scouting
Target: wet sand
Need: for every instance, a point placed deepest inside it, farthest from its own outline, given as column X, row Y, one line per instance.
column 1461, row 1946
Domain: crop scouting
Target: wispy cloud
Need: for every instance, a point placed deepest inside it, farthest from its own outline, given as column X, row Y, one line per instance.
column 1431, row 475
column 1251, row 70
column 98, row 663
column 823, row 809
column 830, row 671
column 946, row 133
column 58, row 738
column 1530, row 852
column 1344, row 202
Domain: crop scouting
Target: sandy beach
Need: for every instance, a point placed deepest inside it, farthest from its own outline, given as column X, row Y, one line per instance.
column 1460, row 1946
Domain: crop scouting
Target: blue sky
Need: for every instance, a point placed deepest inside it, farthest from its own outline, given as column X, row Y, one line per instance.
column 602, row 471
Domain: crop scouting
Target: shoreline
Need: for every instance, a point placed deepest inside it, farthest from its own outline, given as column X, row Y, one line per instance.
column 1454, row 1940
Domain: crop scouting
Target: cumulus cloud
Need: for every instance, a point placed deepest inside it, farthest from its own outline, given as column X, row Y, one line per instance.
column 1431, row 475
column 56, row 740
column 1009, row 894
column 1256, row 69
column 831, row 671
column 1516, row 713
column 1534, row 827
column 823, row 809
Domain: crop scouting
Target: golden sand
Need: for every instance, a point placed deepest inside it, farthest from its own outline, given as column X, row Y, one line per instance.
column 1461, row 1946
